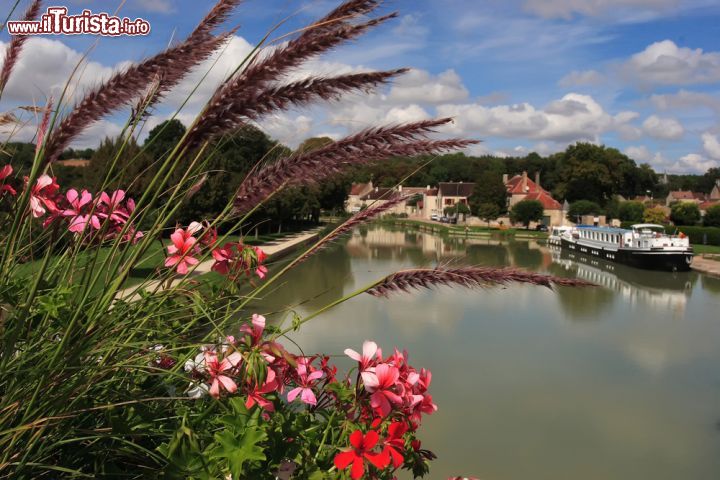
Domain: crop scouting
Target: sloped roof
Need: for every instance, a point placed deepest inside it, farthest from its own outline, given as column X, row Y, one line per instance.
column 380, row 194
column 547, row 201
column 515, row 186
column 687, row 195
column 706, row 205
column 358, row 188
column 452, row 189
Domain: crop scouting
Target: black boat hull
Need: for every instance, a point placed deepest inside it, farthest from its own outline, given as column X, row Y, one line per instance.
column 645, row 259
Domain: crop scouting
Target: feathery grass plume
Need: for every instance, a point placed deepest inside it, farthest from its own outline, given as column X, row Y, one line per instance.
column 370, row 145
column 468, row 277
column 359, row 218
column 13, row 51
column 216, row 17
column 121, row 89
column 244, row 88
column 8, row 118
column 342, row 13
column 44, row 124
column 303, row 92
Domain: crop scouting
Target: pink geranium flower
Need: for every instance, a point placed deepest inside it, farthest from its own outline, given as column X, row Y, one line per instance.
column 381, row 384
column 256, row 330
column 112, row 206
column 223, row 256
column 362, row 446
column 306, row 381
column 367, row 359
column 5, row 172
column 77, row 204
column 181, row 251
column 261, row 269
column 41, row 196
column 216, row 369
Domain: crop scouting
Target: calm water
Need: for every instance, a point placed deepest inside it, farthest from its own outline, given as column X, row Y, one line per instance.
column 617, row 382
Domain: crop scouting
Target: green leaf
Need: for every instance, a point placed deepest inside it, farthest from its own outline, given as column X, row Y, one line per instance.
column 239, row 450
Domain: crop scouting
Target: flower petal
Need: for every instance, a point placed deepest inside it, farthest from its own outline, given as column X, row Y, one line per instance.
column 343, row 459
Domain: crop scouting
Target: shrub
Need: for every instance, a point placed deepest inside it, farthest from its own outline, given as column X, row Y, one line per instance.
column 655, row 214
column 685, row 213
column 712, row 216
column 697, row 235
column 581, row 208
column 631, row 212
column 527, row 211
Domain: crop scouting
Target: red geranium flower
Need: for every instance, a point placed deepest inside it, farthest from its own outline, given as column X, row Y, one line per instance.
column 361, row 451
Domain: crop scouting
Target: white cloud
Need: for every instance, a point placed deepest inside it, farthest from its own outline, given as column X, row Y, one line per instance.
column 663, row 128
column 685, row 99
column 43, row 69
column 695, row 163
column 711, row 145
column 642, row 154
column 664, row 63
column 582, row 78
column 566, row 9
column 421, row 86
column 573, row 117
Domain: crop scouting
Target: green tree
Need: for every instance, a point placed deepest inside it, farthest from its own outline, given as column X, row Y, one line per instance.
column 654, row 214
column 712, row 216
column 487, row 212
column 489, row 188
column 595, row 173
column 685, row 213
column 527, row 211
column 581, row 208
column 631, row 212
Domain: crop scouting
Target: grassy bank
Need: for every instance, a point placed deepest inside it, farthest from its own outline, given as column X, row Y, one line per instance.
column 463, row 230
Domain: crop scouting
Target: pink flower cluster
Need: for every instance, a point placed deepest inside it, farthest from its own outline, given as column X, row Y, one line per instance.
column 390, row 397
column 231, row 260
column 82, row 214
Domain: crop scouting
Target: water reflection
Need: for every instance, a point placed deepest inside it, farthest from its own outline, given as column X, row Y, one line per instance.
column 617, row 382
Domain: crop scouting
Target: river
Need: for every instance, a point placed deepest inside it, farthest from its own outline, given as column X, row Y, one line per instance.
column 618, row 382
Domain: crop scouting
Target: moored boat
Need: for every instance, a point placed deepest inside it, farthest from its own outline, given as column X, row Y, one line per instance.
column 644, row 246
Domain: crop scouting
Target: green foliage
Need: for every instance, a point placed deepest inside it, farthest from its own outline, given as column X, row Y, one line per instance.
column 712, row 216
column 631, row 212
column 487, row 211
column 655, row 215
column 596, row 173
column 685, row 213
column 527, row 211
column 581, row 208
column 489, row 189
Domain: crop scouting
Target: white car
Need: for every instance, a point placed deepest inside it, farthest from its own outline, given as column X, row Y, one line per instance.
column 435, row 217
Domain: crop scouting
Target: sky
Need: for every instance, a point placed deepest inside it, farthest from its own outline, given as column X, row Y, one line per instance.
column 642, row 76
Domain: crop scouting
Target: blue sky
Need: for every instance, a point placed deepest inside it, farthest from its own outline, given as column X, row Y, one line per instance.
column 524, row 75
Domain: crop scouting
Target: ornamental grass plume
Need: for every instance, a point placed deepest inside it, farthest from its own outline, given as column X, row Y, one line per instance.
column 123, row 88
column 370, row 145
column 231, row 104
column 16, row 44
column 467, row 277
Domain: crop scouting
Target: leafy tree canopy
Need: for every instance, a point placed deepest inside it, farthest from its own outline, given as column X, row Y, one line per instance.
column 527, row 211
column 685, row 213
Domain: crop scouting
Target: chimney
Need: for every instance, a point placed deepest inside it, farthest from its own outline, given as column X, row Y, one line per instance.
column 376, row 189
column 506, row 177
column 537, row 178
column 524, row 182
column 400, row 188
column 427, row 188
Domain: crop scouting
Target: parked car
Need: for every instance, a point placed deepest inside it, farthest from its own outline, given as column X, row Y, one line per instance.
column 435, row 217
column 541, row 228
column 453, row 220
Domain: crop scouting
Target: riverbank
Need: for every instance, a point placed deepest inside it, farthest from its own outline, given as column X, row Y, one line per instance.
column 462, row 230
column 274, row 250
column 707, row 265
